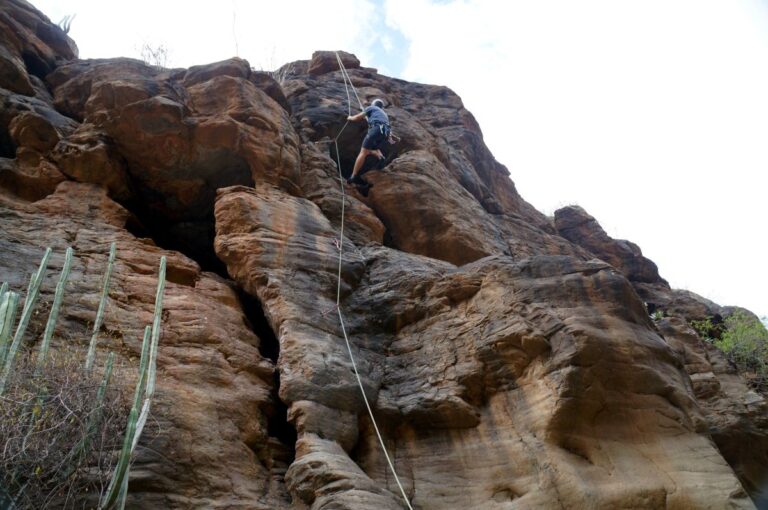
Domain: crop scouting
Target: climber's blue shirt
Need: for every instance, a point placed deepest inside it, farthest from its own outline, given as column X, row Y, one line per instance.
column 376, row 115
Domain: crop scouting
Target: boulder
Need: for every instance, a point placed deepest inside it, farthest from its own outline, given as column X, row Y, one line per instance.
column 574, row 224
column 33, row 131
column 325, row 61
column 88, row 156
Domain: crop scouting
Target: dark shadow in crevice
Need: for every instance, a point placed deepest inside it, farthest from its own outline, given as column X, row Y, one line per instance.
column 388, row 241
column 7, row 147
column 269, row 346
column 747, row 454
column 35, row 65
column 192, row 238
column 278, row 425
column 189, row 227
column 134, row 226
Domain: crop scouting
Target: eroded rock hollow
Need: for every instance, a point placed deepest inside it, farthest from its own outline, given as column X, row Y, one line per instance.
column 509, row 357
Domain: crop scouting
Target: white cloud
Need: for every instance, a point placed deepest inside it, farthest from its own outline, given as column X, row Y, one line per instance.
column 652, row 115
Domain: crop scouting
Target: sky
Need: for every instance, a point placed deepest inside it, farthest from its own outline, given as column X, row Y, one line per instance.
column 652, row 115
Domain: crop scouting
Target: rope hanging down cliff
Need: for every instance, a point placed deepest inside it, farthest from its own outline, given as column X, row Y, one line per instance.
column 346, row 78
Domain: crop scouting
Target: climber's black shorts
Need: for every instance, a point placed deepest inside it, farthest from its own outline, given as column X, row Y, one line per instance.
column 375, row 138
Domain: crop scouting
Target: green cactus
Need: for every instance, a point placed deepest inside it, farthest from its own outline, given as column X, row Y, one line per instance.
column 156, row 327
column 26, row 315
column 54, row 315
column 8, row 308
column 3, row 304
column 100, row 314
column 115, row 496
column 145, row 386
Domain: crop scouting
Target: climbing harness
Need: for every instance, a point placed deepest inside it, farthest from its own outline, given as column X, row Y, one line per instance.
column 346, row 78
column 384, row 129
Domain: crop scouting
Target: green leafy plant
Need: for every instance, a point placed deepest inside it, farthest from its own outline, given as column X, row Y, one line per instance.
column 705, row 328
column 745, row 341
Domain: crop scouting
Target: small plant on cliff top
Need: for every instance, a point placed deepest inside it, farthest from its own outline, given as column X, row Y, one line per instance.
column 66, row 23
column 156, row 56
column 745, row 341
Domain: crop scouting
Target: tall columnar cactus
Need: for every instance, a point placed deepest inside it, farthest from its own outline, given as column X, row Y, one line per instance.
column 3, row 304
column 116, row 493
column 26, row 314
column 54, row 315
column 93, row 420
column 8, row 307
column 100, row 314
column 145, row 386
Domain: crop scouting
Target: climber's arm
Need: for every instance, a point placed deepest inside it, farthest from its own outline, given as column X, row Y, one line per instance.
column 355, row 118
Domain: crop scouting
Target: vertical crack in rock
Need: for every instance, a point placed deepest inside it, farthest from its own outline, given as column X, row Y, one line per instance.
column 280, row 450
column 346, row 156
column 7, row 147
column 35, row 65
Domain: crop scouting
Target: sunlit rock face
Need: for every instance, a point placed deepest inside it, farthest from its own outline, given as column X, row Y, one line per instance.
column 509, row 358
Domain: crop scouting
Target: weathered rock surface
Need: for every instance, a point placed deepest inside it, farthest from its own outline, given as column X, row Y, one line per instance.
column 325, row 61
column 213, row 385
column 510, row 361
column 164, row 141
column 574, row 224
column 29, row 45
column 443, row 194
column 736, row 415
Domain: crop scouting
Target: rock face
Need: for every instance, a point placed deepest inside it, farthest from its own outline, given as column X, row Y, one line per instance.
column 574, row 224
column 510, row 360
column 214, row 388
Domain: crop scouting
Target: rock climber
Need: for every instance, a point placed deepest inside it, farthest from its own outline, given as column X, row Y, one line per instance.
column 378, row 135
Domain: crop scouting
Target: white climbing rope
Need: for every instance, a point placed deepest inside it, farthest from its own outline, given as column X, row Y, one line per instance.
column 345, row 76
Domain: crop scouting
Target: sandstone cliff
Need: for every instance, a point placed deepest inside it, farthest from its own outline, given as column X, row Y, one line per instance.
column 510, row 357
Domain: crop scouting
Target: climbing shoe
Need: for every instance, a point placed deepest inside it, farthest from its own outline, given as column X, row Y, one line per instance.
column 356, row 179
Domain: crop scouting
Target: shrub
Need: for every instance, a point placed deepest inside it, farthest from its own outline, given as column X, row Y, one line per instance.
column 58, row 433
column 155, row 56
column 745, row 341
column 705, row 328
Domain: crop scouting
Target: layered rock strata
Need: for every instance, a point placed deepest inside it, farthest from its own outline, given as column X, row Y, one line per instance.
column 510, row 359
